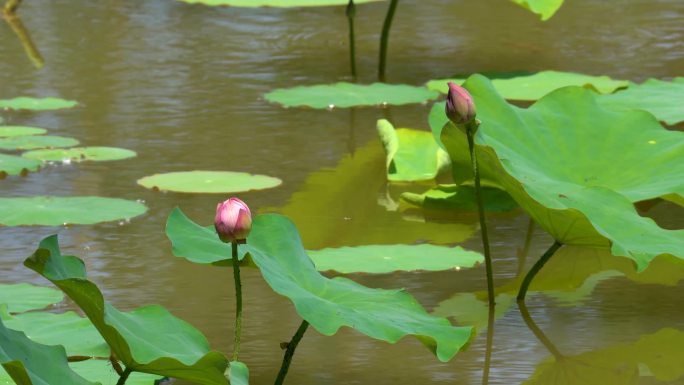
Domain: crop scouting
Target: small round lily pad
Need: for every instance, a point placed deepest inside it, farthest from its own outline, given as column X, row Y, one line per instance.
column 37, row 104
column 208, row 182
column 57, row 211
column 12, row 131
column 36, row 141
column 78, row 154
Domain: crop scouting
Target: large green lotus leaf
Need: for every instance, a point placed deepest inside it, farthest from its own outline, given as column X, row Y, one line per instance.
column 412, row 155
column 535, row 85
column 79, row 154
column 213, row 182
column 27, row 103
column 58, row 211
column 238, row 373
column 16, row 165
column 148, row 339
column 22, row 297
column 36, row 141
column 342, row 95
column 30, row 363
column 102, row 371
column 340, row 207
column 460, row 198
column 379, row 259
column 544, row 8
column 573, row 173
column 327, row 304
column 662, row 99
column 10, row 131
column 274, row 3
column 661, row 353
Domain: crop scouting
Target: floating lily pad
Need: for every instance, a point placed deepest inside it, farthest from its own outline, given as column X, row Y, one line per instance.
column 238, row 373
column 662, row 99
column 27, row 103
column 10, row 131
column 213, row 182
column 148, row 339
column 412, row 155
column 22, row 297
column 342, row 95
column 36, row 141
column 16, row 165
column 30, row 363
column 379, row 259
column 57, row 211
column 460, row 198
column 328, row 304
column 80, row 154
column 533, row 86
column 578, row 174
column 275, row 3
column 544, row 8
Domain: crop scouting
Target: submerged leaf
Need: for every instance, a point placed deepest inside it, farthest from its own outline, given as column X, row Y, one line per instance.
column 460, row 198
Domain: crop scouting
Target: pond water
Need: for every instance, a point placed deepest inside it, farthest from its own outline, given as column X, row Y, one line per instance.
column 182, row 85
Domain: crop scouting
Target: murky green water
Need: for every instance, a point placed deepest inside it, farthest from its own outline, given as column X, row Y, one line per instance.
column 182, row 85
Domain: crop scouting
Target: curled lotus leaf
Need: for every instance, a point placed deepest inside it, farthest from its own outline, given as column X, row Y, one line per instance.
column 576, row 174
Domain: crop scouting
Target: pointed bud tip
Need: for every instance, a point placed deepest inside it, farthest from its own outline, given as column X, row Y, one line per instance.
column 233, row 220
column 460, row 107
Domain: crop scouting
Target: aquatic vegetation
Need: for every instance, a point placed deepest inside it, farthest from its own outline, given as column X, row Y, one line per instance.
column 213, row 182
column 661, row 98
column 16, row 165
column 80, row 154
column 38, row 104
column 58, row 211
column 460, row 198
column 21, row 297
column 31, row 142
column 12, row 131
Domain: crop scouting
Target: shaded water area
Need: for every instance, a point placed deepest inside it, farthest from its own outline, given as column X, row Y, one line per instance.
column 182, row 85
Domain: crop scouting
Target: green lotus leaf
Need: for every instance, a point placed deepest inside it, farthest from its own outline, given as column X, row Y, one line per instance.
column 30, row 363
column 102, row 371
column 80, row 154
column 412, row 155
column 213, row 182
column 238, row 373
column 533, row 86
column 662, row 99
column 378, row 259
column 343, row 206
column 342, row 95
column 460, row 198
column 148, row 339
column 38, row 104
column 544, row 8
column 572, row 173
column 10, row 131
column 21, row 297
column 58, row 211
column 327, row 304
column 274, row 3
column 36, row 141
column 16, row 165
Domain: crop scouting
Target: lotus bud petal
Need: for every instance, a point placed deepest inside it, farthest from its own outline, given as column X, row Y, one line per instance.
column 233, row 220
column 460, row 107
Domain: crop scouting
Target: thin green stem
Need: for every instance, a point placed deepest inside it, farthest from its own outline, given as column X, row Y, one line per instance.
column 538, row 332
column 535, row 269
column 11, row 7
column 488, row 347
column 384, row 39
column 471, row 128
column 525, row 251
column 124, row 376
column 351, row 13
column 291, row 346
column 238, row 300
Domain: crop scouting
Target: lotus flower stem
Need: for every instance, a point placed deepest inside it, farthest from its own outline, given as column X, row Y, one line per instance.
column 488, row 347
column 384, row 39
column 238, row 300
column 291, row 346
column 471, row 128
column 11, row 7
column 535, row 269
column 351, row 12
column 124, row 376
column 525, row 251
column 538, row 332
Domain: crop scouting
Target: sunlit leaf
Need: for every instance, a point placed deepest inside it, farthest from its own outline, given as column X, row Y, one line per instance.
column 544, row 8
column 662, row 99
column 208, row 182
column 342, row 95
column 36, row 141
column 274, row 3
column 57, row 211
column 21, row 297
column 148, row 339
column 10, row 131
column 78, row 154
column 28, row 103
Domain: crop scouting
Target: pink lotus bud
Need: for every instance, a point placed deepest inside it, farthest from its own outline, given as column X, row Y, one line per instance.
column 233, row 220
column 460, row 107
